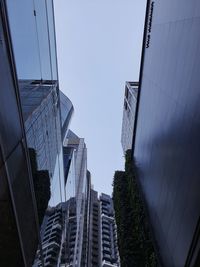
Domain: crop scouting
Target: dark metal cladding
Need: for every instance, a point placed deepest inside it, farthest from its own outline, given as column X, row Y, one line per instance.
column 167, row 140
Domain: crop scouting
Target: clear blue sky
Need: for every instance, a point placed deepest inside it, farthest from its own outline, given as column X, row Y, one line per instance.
column 99, row 48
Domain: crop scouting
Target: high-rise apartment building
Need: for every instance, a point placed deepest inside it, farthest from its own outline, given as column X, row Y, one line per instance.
column 109, row 248
column 166, row 143
column 82, row 228
column 94, row 238
column 63, row 226
column 130, row 101
column 102, row 239
column 60, row 233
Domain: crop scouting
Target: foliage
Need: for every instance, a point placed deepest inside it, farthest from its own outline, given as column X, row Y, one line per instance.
column 10, row 254
column 41, row 182
column 135, row 246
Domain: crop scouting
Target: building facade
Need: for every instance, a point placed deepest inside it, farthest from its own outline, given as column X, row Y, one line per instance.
column 80, row 232
column 42, row 105
column 166, row 143
column 64, row 225
column 109, row 248
column 35, row 115
column 94, row 243
column 58, row 235
column 60, row 232
column 128, row 120
column 80, row 186
column 41, row 115
column 67, row 110
column 31, row 117
column 18, row 240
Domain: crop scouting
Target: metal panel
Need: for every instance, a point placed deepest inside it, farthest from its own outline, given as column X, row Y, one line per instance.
column 167, row 144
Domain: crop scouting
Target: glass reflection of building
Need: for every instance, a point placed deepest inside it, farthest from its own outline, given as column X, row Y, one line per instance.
column 34, row 118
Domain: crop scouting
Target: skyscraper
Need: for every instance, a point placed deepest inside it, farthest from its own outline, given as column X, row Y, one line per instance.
column 130, row 101
column 79, row 165
column 102, row 239
column 42, row 105
column 68, row 237
column 29, row 118
column 60, row 233
column 18, row 240
column 166, row 144
column 109, row 248
column 94, row 238
column 82, row 228
column 67, row 110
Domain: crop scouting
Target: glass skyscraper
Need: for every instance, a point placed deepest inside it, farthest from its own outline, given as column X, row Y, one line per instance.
column 63, row 228
column 41, row 115
column 34, row 119
column 45, row 187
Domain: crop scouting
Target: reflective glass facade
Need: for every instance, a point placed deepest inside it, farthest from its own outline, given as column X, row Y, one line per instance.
column 32, row 130
column 18, row 240
column 67, row 110
column 80, row 158
column 33, row 38
column 42, row 121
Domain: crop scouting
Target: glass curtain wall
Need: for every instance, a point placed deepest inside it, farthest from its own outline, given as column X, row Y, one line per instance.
column 32, row 31
column 33, row 38
column 75, row 168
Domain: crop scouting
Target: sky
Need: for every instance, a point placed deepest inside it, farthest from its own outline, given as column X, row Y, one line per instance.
column 99, row 48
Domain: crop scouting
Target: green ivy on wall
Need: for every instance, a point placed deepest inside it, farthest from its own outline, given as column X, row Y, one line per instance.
column 134, row 242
